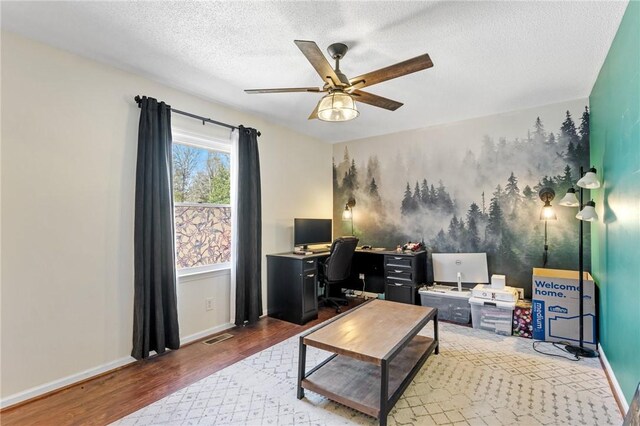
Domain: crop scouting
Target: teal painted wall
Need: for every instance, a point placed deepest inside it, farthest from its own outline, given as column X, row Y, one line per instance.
column 615, row 243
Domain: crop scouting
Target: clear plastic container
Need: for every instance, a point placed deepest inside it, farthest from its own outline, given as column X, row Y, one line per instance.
column 450, row 308
column 492, row 315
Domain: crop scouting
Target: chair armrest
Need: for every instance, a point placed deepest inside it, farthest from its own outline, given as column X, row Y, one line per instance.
column 322, row 270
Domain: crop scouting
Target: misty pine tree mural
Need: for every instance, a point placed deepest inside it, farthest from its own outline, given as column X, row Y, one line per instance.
column 461, row 192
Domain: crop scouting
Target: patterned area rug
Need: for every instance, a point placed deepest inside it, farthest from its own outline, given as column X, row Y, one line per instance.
column 479, row 378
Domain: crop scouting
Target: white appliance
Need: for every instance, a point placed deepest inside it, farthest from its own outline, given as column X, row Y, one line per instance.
column 485, row 291
column 498, row 281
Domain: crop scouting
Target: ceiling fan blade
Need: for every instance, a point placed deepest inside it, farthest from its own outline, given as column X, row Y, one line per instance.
column 314, row 55
column 285, row 90
column 314, row 114
column 375, row 100
column 393, row 71
column 355, row 86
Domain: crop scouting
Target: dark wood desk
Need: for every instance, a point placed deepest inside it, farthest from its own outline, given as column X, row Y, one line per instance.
column 292, row 280
column 369, row 370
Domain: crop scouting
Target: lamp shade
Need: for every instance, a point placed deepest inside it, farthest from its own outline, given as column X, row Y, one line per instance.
column 347, row 213
column 589, row 180
column 547, row 212
column 337, row 106
column 588, row 213
column 570, row 199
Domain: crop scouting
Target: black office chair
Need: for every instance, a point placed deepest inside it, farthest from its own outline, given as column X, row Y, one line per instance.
column 337, row 268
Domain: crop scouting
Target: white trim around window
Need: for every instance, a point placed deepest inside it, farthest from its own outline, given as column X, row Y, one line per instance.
column 201, row 270
column 201, row 205
column 184, row 137
column 207, row 142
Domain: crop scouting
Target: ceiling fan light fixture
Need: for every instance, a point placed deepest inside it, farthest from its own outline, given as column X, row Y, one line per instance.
column 337, row 106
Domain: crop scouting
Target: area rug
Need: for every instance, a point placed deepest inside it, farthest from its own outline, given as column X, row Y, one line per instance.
column 479, row 378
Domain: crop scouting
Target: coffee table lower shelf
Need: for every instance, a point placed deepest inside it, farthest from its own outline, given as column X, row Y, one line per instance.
column 356, row 383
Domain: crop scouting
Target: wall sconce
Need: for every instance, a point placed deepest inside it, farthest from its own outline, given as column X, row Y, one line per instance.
column 347, row 213
column 547, row 195
column 587, row 213
column 546, row 213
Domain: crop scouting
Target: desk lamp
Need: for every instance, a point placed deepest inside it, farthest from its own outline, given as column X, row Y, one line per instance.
column 347, row 214
column 586, row 213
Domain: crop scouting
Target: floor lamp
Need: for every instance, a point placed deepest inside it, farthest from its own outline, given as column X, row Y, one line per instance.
column 347, row 213
column 587, row 213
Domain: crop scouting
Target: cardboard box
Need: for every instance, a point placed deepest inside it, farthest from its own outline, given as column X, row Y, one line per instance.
column 556, row 310
column 498, row 282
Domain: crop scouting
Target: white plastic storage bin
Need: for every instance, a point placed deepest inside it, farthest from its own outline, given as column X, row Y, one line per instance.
column 451, row 307
column 492, row 315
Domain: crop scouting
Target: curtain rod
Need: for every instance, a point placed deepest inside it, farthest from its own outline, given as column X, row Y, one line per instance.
column 138, row 99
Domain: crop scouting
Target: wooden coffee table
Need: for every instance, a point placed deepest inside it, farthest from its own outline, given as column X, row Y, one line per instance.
column 376, row 353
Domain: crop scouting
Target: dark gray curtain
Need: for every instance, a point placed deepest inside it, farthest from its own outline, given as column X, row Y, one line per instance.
column 249, row 223
column 155, row 314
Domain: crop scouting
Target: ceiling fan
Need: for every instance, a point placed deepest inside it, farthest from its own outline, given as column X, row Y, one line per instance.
column 339, row 104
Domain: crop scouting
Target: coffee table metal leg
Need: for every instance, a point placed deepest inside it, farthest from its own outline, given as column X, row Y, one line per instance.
column 435, row 333
column 301, row 367
column 384, row 391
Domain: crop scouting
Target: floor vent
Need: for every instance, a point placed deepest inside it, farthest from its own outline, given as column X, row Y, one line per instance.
column 218, row 339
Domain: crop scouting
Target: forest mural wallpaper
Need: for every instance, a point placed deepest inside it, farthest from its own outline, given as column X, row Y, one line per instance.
column 471, row 186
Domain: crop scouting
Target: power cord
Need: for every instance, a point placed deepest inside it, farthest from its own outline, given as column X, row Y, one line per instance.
column 555, row 345
column 362, row 292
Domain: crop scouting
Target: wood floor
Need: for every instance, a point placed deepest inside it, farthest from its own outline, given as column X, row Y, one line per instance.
column 113, row 395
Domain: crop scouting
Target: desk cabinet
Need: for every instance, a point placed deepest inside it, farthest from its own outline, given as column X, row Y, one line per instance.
column 292, row 287
column 404, row 273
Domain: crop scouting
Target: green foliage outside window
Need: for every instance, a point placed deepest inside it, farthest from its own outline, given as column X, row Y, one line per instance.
column 200, row 175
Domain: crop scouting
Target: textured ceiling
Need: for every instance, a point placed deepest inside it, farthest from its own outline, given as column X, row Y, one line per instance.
column 489, row 57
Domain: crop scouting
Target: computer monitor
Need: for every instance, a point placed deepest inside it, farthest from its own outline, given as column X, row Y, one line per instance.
column 460, row 268
column 311, row 231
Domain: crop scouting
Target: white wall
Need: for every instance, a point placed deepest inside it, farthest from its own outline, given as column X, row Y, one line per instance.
column 69, row 135
column 195, row 320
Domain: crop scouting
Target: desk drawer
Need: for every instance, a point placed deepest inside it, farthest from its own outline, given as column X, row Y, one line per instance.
column 400, row 292
column 310, row 265
column 397, row 283
column 399, row 274
column 391, row 262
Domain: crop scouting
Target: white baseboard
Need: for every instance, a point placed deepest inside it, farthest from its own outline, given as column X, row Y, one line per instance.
column 65, row 381
column 205, row 333
column 91, row 372
column 614, row 381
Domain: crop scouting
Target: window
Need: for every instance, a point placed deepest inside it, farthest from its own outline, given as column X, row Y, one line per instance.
column 202, row 197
